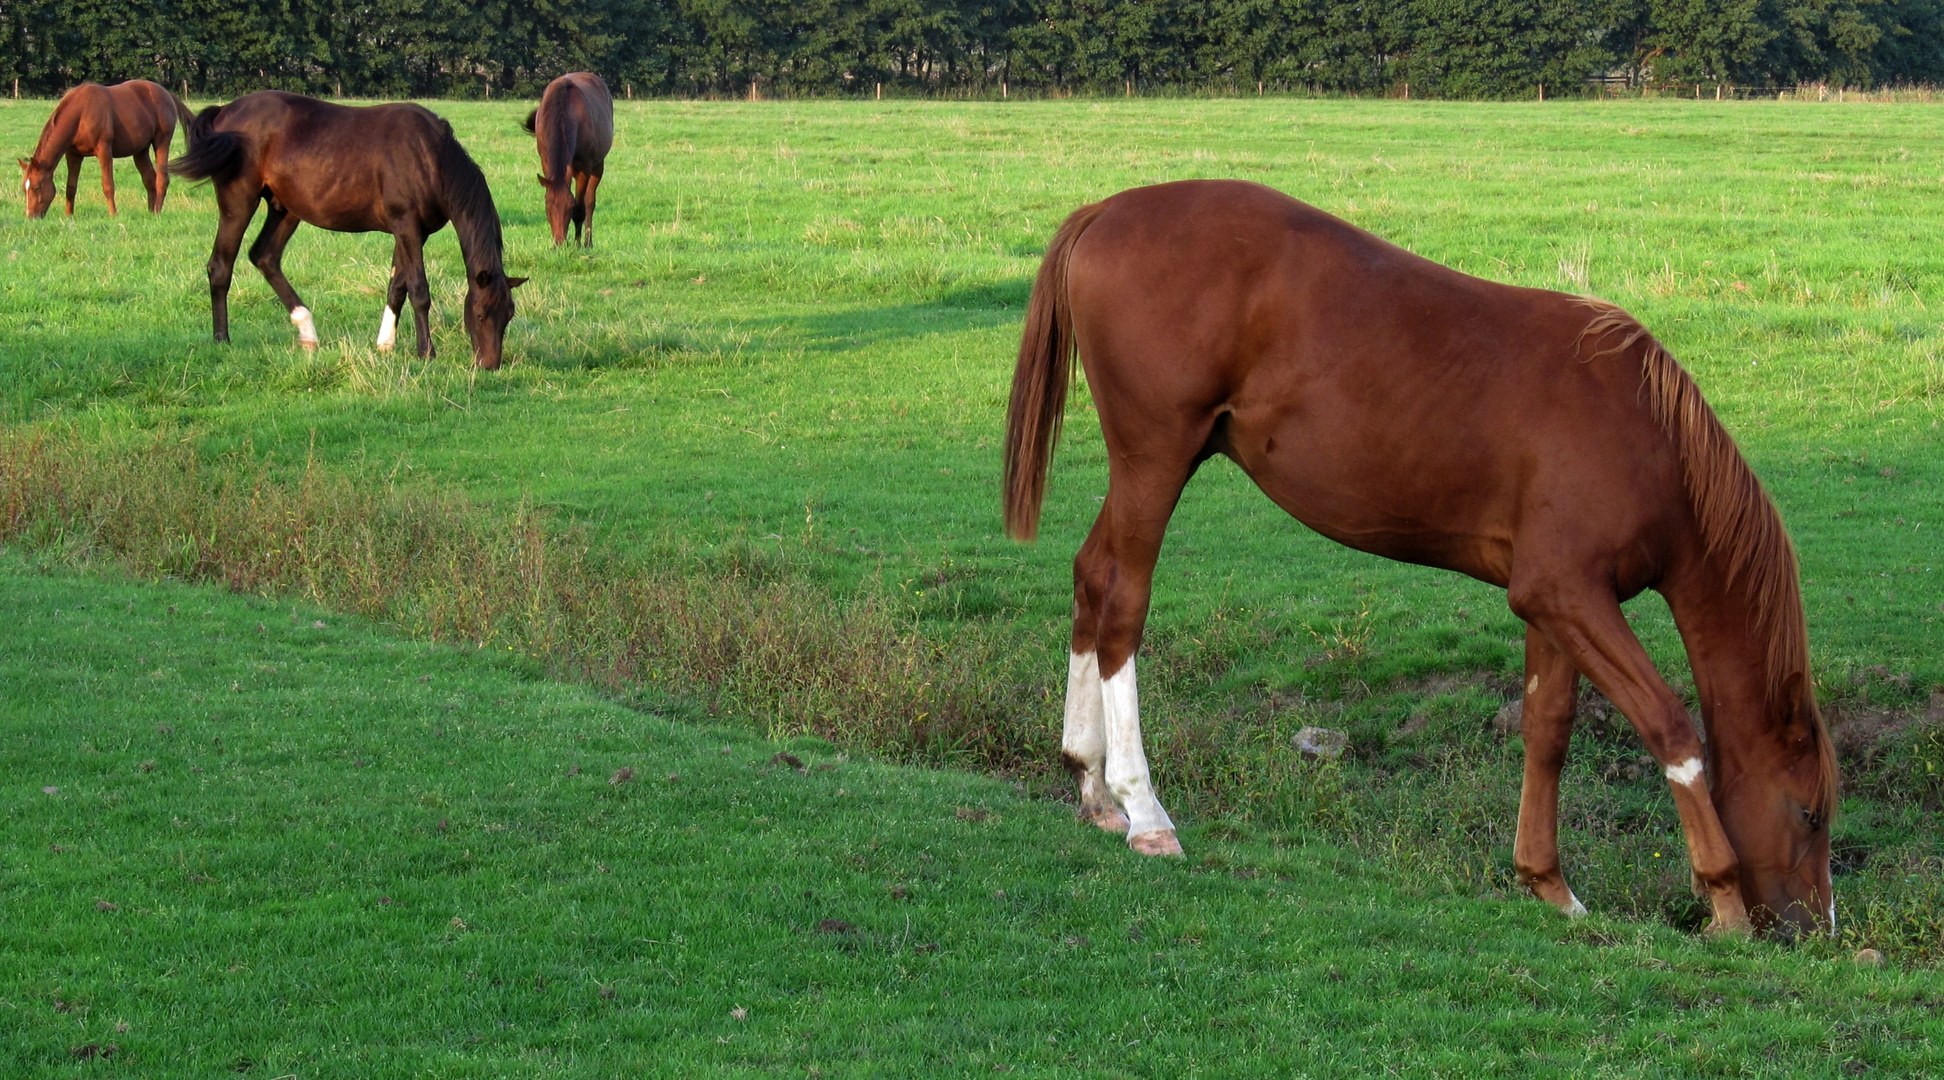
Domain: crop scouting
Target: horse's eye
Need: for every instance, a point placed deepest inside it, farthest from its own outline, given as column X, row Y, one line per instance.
column 1811, row 819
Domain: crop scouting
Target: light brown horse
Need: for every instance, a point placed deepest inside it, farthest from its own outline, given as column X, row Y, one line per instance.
column 105, row 122
column 381, row 168
column 574, row 127
column 1541, row 442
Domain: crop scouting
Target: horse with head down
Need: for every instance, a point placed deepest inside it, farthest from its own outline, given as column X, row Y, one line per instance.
column 130, row 119
column 381, row 168
column 1544, row 443
column 574, row 126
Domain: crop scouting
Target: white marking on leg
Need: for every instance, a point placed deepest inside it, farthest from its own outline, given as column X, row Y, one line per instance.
column 1084, row 740
column 1832, row 916
column 1532, row 686
column 1687, row 772
column 387, row 329
column 306, row 326
column 1084, row 735
column 1127, row 767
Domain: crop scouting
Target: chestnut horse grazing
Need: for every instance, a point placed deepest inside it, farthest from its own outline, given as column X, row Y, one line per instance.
column 1541, row 442
column 574, row 126
column 105, row 122
column 383, row 168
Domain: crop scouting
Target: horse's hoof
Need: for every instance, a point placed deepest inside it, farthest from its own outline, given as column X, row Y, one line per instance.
column 1109, row 818
column 1155, row 842
column 1718, row 929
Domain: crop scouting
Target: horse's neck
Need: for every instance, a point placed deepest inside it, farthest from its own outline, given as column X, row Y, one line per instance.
column 58, row 136
column 480, row 246
column 1728, row 648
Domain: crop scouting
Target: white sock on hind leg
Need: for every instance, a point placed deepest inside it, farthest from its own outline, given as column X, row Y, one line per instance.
column 387, row 329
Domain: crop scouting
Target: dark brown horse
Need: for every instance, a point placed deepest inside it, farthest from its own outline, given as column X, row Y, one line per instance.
column 1541, row 442
column 574, row 126
column 128, row 119
column 383, row 168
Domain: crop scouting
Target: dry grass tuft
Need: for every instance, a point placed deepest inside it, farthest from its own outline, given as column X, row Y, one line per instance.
column 739, row 632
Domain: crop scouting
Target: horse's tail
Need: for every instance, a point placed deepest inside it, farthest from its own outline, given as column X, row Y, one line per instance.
column 528, row 123
column 211, row 153
column 1040, row 381
column 183, row 116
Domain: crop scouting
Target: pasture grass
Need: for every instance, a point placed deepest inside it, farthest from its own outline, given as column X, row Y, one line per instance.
column 791, row 350
column 263, row 838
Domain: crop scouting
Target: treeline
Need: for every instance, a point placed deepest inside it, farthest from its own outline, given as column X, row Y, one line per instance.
column 1443, row 48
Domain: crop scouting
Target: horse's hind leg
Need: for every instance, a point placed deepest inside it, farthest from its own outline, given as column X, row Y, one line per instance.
column 162, row 170
column 267, row 254
column 148, row 180
column 1546, row 722
column 107, row 159
column 1584, row 620
column 236, row 206
column 1113, row 577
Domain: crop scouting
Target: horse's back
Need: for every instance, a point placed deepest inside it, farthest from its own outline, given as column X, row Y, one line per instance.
column 589, row 108
column 1389, row 402
column 340, row 167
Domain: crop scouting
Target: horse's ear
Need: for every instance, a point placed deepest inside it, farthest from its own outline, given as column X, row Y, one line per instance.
column 516, row 282
column 24, row 164
column 542, row 177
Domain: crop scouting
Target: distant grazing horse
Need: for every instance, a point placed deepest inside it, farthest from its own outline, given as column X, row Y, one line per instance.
column 575, row 128
column 105, row 122
column 384, row 168
column 1541, row 442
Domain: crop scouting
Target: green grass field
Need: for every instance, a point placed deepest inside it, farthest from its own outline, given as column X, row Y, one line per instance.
column 793, row 343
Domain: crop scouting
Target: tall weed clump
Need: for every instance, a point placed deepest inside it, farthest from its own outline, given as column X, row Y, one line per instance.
column 736, row 630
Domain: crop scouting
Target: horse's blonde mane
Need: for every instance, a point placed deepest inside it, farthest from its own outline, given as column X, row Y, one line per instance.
column 1741, row 530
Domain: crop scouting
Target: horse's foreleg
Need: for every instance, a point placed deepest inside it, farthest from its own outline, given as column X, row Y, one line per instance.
column 589, row 182
column 1584, row 620
column 236, row 209
column 1546, row 722
column 74, row 179
column 267, row 254
column 394, row 301
column 408, row 266
column 107, row 158
column 147, row 171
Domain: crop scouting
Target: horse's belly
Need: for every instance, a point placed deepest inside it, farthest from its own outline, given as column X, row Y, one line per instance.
column 1429, row 505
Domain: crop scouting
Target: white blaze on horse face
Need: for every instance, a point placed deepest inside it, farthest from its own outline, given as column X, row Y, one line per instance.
column 1532, row 686
column 1575, row 909
column 388, row 328
column 306, row 326
column 1687, row 772
column 1084, row 735
column 1127, row 767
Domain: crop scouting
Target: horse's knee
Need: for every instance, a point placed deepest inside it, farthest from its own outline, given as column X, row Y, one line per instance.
column 219, row 274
